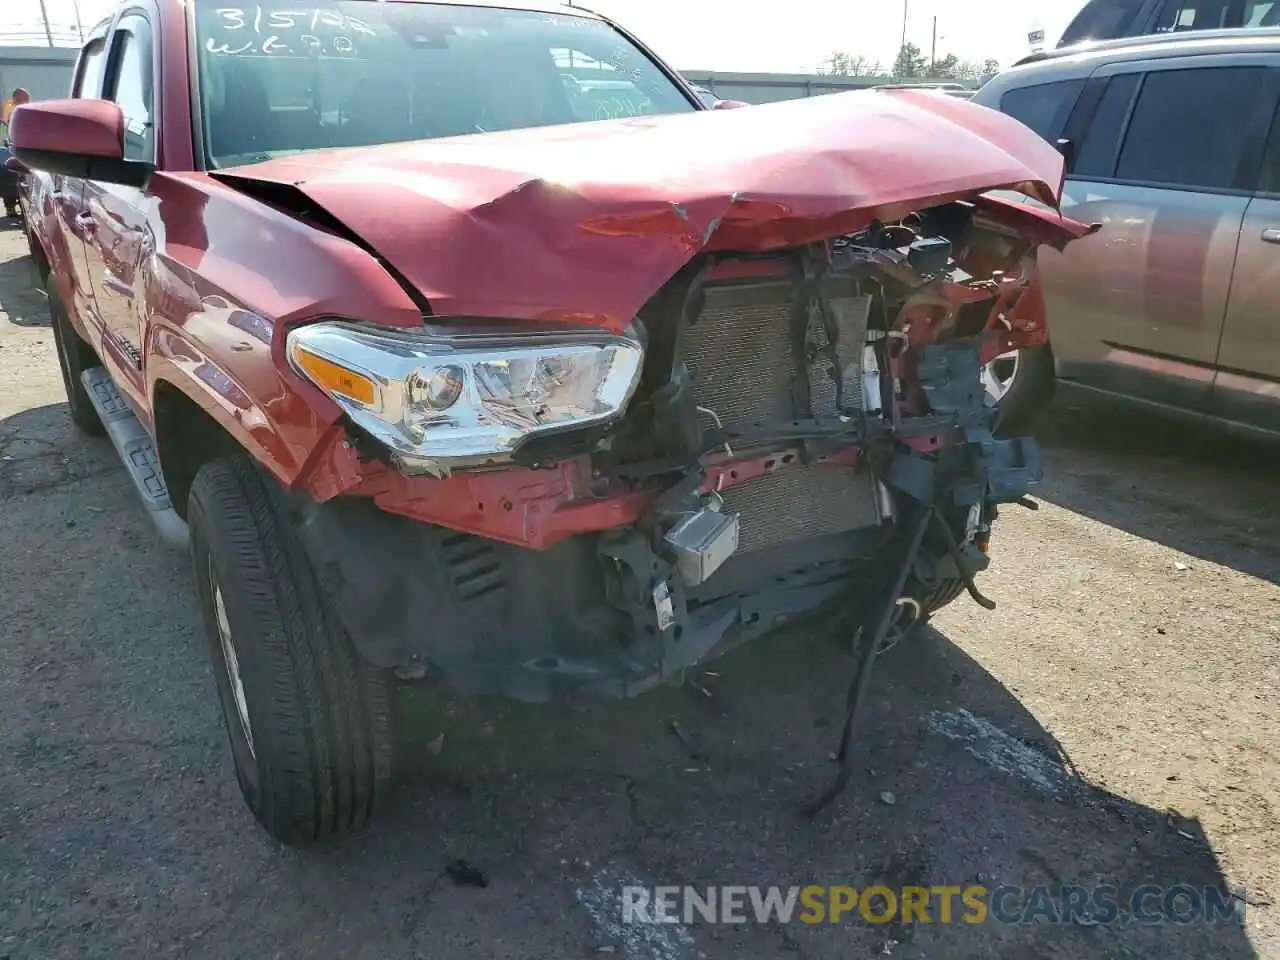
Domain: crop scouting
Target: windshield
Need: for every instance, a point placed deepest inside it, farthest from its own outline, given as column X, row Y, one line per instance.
column 283, row 78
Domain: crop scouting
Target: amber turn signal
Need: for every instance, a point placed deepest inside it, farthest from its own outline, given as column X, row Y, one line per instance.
column 334, row 378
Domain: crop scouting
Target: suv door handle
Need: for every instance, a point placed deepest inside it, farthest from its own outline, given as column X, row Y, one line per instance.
column 1271, row 235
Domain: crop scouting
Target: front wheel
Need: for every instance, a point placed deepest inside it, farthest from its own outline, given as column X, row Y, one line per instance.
column 1019, row 385
column 308, row 720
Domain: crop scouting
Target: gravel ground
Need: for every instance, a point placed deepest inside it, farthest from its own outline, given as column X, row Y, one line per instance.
column 1113, row 723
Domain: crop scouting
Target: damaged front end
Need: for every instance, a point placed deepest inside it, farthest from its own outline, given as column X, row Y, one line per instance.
column 808, row 435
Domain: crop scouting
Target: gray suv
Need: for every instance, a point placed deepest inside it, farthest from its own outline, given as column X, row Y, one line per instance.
column 1173, row 145
column 1108, row 19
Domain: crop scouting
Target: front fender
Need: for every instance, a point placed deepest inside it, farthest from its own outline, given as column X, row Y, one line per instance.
column 221, row 359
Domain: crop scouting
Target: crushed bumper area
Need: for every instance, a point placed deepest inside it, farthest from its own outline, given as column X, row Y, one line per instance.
column 801, row 420
column 612, row 614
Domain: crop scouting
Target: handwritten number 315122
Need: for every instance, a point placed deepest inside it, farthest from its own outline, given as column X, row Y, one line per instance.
column 285, row 32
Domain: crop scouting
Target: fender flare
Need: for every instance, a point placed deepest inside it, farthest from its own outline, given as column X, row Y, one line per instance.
column 178, row 361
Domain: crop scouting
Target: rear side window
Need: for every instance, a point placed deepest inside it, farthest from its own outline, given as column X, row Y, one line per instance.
column 1102, row 20
column 1265, row 14
column 1190, row 128
column 1044, row 107
column 93, row 63
column 1178, row 15
column 1098, row 148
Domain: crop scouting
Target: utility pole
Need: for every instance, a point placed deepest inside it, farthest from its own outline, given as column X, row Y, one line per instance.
column 933, row 51
column 905, row 4
column 44, row 15
column 79, row 25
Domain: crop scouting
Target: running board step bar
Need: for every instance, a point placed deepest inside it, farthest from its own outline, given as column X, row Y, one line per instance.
column 137, row 452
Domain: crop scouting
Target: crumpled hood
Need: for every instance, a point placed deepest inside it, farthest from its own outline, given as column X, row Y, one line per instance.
column 585, row 222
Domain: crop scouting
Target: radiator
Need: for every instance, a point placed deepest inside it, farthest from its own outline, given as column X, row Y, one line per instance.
column 740, row 354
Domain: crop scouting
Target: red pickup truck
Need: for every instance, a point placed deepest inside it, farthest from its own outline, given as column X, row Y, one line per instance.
column 435, row 375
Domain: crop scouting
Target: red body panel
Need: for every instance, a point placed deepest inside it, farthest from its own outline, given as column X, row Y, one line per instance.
column 579, row 223
column 584, row 222
column 91, row 127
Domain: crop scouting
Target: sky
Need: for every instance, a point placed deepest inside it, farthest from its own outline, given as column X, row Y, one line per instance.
column 756, row 35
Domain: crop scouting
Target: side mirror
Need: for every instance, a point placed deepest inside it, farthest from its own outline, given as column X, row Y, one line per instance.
column 75, row 138
column 729, row 104
column 1068, row 150
column 14, row 165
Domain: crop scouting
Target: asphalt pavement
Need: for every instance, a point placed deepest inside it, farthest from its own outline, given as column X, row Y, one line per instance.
column 1113, row 723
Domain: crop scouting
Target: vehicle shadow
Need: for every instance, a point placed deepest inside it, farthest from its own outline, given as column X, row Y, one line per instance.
column 1181, row 484
column 40, row 449
column 556, row 809
column 21, row 298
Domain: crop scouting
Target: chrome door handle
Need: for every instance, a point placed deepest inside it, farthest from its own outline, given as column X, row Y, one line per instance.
column 1271, row 235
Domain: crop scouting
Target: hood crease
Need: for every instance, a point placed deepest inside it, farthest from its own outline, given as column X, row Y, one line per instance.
column 585, row 222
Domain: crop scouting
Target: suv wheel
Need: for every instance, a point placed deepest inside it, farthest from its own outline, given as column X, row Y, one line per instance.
column 74, row 358
column 308, row 720
column 1019, row 384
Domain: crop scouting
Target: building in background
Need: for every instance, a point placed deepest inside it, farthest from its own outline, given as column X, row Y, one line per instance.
column 45, row 72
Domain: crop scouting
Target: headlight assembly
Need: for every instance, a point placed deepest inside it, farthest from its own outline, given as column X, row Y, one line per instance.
column 442, row 399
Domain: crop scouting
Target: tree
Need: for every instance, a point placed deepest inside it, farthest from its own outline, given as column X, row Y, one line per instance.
column 947, row 68
column 836, row 65
column 990, row 67
column 910, row 63
column 841, row 64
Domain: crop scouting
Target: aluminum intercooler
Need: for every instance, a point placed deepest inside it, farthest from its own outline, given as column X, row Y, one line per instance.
column 741, row 355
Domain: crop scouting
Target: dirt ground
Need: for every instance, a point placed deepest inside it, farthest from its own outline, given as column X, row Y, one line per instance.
column 1114, row 722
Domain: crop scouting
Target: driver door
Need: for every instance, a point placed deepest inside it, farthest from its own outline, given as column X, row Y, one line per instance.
column 66, row 198
column 118, row 241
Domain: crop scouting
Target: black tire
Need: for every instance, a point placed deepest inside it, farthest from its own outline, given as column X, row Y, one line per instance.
column 74, row 358
column 930, row 592
column 316, row 755
column 1030, row 392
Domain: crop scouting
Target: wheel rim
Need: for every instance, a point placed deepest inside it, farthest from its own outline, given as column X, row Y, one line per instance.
column 998, row 376
column 230, row 661
column 906, row 614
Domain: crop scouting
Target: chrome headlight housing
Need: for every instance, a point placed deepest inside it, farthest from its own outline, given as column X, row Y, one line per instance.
column 445, row 398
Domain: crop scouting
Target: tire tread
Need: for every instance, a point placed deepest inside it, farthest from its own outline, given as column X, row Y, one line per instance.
column 325, row 758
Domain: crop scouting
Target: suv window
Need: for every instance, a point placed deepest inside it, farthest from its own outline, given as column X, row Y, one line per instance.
column 1043, row 107
column 93, row 62
column 133, row 87
column 1096, row 153
column 1178, row 15
column 1265, row 14
column 1101, row 20
column 1190, row 128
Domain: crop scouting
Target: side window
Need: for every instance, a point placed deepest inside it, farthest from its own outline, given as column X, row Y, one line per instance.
column 1102, row 20
column 93, row 63
column 1097, row 150
column 133, row 88
column 1263, row 14
column 1199, row 15
column 1043, row 107
column 1190, row 128
column 1269, row 175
